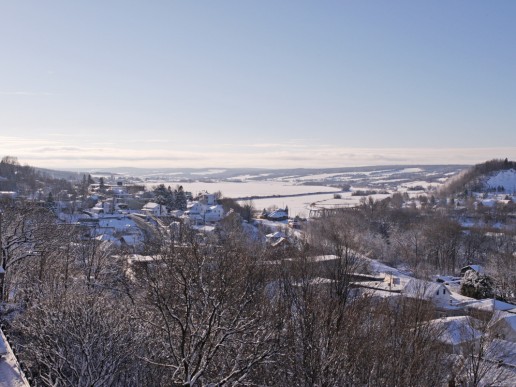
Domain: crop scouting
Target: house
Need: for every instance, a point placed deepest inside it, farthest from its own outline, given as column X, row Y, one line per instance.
column 274, row 237
column 154, row 209
column 199, row 213
column 276, row 215
column 133, row 241
column 102, row 207
column 194, row 213
column 456, row 332
column 207, row 199
column 213, row 213
column 8, row 194
column 195, row 208
column 282, row 243
column 476, row 268
column 438, row 293
column 503, row 324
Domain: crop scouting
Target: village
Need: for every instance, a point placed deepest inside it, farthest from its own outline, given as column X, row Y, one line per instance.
column 124, row 220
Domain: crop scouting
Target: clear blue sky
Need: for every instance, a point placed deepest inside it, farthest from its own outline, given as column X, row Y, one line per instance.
column 257, row 83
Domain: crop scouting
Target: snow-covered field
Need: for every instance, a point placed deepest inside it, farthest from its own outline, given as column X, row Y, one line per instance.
column 261, row 183
column 251, row 188
column 300, row 205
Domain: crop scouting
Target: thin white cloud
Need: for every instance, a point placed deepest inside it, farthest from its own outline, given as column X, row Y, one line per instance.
column 62, row 155
column 283, row 159
column 27, row 93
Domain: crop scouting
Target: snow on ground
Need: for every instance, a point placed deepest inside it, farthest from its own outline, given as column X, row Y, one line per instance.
column 390, row 180
column 250, row 177
column 321, row 176
column 506, row 179
column 455, row 330
column 411, row 170
column 209, row 172
column 273, row 225
column 422, row 183
column 301, row 205
column 10, row 373
column 250, row 188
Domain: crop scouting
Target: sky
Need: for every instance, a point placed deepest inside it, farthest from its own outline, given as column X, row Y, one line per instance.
column 163, row 83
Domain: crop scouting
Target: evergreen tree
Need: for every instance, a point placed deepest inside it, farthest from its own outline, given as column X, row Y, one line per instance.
column 476, row 285
column 84, row 186
column 102, row 185
column 181, row 201
column 50, row 203
column 164, row 196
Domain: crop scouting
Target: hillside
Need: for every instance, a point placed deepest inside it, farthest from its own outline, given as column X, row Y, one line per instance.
column 503, row 180
column 493, row 175
column 26, row 180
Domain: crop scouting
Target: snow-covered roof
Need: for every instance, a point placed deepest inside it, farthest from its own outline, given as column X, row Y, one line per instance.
column 478, row 268
column 277, row 214
column 204, row 228
column 315, row 281
column 508, row 318
column 455, row 330
column 130, row 240
column 422, row 289
column 279, row 242
column 502, row 350
column 142, row 258
column 490, row 305
column 275, row 235
column 150, row 206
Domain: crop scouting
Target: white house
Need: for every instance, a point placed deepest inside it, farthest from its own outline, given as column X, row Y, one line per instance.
column 277, row 215
column 202, row 213
column 103, row 207
column 154, row 209
column 438, row 293
column 195, row 208
column 207, row 199
column 214, row 213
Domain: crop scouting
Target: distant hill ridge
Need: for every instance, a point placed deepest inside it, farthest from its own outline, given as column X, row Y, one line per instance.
column 25, row 179
column 496, row 174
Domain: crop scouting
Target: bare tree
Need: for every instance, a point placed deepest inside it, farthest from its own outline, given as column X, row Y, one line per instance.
column 206, row 314
column 480, row 361
column 79, row 338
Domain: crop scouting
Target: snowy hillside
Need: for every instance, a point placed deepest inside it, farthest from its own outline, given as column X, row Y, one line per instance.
column 506, row 179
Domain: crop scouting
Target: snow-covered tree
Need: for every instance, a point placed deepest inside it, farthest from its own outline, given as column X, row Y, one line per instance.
column 476, row 285
column 181, row 201
column 164, row 196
